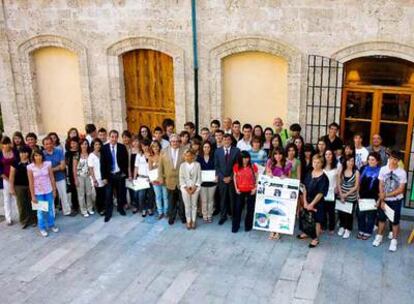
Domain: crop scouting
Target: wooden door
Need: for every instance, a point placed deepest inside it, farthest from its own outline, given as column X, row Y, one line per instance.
column 386, row 111
column 149, row 88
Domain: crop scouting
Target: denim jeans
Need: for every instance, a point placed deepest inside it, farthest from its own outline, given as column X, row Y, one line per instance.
column 366, row 221
column 161, row 198
column 41, row 215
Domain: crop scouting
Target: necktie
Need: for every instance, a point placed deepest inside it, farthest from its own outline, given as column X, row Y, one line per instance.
column 227, row 156
column 113, row 158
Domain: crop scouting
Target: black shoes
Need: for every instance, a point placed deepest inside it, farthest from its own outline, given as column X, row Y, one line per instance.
column 107, row 219
column 122, row 212
column 170, row 221
column 222, row 221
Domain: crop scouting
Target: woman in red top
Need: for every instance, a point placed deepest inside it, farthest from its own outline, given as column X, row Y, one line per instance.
column 245, row 176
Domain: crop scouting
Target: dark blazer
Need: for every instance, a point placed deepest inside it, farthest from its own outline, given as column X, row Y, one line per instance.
column 106, row 160
column 223, row 169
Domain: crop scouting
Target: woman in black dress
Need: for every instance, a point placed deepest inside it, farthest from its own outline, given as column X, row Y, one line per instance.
column 316, row 187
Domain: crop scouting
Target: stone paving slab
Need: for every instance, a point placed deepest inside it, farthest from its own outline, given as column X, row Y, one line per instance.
column 136, row 260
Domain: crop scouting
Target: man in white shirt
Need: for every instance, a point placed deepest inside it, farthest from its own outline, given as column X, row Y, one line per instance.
column 361, row 153
column 244, row 144
column 392, row 187
column 157, row 135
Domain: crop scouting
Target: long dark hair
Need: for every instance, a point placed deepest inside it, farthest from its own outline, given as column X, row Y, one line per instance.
column 149, row 136
column 278, row 150
column 280, row 142
column 262, row 137
column 20, row 135
column 211, row 148
column 344, row 166
column 334, row 163
column 244, row 154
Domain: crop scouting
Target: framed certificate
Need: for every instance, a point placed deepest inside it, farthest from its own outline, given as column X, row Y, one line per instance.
column 41, row 205
column 208, row 176
column 344, row 207
column 389, row 213
column 153, row 175
column 367, row 204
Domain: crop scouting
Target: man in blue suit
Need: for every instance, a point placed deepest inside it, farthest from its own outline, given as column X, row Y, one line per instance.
column 224, row 160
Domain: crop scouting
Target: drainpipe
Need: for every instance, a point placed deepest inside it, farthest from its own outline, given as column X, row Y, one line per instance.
column 195, row 60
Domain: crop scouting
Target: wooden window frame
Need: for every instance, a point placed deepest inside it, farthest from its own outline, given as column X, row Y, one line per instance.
column 375, row 120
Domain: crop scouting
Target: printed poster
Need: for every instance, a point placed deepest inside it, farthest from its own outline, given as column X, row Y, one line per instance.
column 276, row 202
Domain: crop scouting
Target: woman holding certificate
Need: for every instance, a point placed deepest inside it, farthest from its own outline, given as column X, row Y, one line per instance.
column 190, row 182
column 142, row 171
column 208, row 185
column 43, row 191
column 316, row 187
column 368, row 196
column 161, row 193
column 348, row 185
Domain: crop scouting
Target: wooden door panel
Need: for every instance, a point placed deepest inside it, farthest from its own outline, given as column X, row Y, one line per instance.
column 149, row 88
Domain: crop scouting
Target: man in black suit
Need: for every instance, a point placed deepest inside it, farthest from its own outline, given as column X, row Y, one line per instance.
column 114, row 169
column 224, row 159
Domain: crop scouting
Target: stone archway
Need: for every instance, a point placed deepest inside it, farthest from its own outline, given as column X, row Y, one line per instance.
column 26, row 61
column 116, row 78
column 372, row 48
column 257, row 44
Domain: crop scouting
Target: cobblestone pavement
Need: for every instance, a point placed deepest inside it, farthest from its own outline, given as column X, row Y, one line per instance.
column 136, row 260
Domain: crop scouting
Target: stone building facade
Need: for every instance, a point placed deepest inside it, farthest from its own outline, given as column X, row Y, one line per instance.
column 100, row 31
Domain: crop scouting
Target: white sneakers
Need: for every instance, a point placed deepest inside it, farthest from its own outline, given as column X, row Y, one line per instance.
column 390, row 236
column 43, row 233
column 347, row 234
column 393, row 245
column 341, row 231
column 86, row 214
column 378, row 240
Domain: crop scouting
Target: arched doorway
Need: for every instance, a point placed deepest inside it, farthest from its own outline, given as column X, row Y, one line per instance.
column 378, row 97
column 149, row 88
column 255, row 87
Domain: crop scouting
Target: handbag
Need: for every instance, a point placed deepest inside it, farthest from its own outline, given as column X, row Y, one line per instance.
column 307, row 222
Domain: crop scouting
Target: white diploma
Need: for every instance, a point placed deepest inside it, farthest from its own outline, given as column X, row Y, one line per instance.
column 389, row 213
column 367, row 204
column 140, row 183
column 344, row 207
column 260, row 169
column 153, row 175
column 41, row 205
column 330, row 196
column 208, row 176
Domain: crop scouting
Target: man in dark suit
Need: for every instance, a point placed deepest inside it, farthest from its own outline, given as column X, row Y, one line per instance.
column 114, row 169
column 224, row 159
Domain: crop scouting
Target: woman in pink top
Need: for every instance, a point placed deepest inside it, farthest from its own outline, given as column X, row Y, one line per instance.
column 278, row 166
column 42, row 189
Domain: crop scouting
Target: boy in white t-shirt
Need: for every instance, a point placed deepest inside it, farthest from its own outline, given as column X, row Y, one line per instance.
column 361, row 153
column 392, row 186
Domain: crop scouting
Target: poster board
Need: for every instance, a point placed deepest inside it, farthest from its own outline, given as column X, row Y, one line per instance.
column 276, row 202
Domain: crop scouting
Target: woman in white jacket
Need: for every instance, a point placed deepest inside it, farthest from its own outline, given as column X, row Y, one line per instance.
column 190, row 183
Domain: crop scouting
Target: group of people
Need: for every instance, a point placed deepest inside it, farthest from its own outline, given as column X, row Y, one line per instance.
column 192, row 175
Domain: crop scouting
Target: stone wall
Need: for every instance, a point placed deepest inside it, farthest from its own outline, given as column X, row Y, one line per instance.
column 92, row 28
